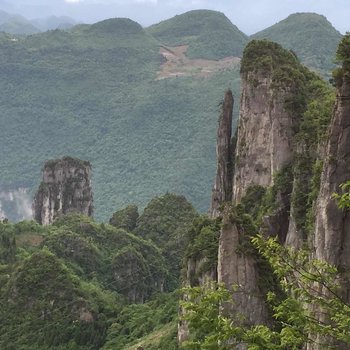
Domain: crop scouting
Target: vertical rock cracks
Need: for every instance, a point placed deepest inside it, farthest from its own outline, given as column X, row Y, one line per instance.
column 65, row 188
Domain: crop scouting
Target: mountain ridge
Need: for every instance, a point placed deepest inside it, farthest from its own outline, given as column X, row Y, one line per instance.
column 100, row 82
column 314, row 39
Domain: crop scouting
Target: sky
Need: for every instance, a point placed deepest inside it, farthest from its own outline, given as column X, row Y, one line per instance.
column 250, row 16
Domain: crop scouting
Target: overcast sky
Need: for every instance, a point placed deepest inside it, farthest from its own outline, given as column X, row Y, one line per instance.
column 249, row 15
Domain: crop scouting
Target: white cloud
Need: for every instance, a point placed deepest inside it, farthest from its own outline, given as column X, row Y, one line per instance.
column 72, row 1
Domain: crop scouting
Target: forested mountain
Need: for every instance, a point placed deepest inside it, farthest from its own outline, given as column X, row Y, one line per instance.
column 143, row 115
column 143, row 112
column 95, row 92
column 209, row 34
column 311, row 36
column 81, row 285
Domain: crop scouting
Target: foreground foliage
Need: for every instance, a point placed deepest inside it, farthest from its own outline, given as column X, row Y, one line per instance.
column 81, row 285
column 308, row 286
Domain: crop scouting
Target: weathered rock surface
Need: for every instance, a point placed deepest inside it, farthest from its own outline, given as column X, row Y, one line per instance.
column 66, row 188
column 332, row 229
column 331, row 240
column 238, row 271
column 194, row 277
column 265, row 133
column 222, row 191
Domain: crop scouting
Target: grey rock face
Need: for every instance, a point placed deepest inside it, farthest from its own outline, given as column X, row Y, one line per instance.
column 66, row 188
column 239, row 272
column 265, row 134
column 222, row 191
column 332, row 229
column 204, row 279
column 331, row 241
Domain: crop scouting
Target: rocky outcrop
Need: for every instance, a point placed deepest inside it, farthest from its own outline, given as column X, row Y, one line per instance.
column 332, row 229
column 331, row 241
column 265, row 138
column 239, row 272
column 65, row 188
column 265, row 134
column 222, row 191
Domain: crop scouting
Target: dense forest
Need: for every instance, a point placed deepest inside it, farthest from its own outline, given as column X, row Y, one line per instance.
column 145, row 120
column 266, row 268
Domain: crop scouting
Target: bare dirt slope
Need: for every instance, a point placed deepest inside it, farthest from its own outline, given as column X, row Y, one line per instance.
column 178, row 64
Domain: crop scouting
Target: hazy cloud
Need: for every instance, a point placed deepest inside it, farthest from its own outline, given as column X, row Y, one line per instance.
column 16, row 202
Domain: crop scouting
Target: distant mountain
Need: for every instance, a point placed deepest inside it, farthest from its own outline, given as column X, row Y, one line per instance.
column 53, row 22
column 311, row 36
column 209, row 34
column 16, row 24
column 19, row 25
column 142, row 111
column 93, row 92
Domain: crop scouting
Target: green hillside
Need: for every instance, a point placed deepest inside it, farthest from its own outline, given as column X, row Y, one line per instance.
column 81, row 285
column 311, row 36
column 95, row 92
column 209, row 34
column 92, row 93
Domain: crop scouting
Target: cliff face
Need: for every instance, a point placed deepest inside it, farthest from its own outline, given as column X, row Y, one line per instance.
column 288, row 162
column 331, row 240
column 265, row 139
column 239, row 272
column 332, row 229
column 266, row 126
column 66, row 187
column 222, row 191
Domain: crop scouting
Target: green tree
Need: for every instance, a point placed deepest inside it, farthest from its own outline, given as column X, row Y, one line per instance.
column 304, row 281
column 125, row 218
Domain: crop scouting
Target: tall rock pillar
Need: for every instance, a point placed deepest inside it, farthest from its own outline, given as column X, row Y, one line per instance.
column 65, row 188
column 331, row 241
column 222, row 191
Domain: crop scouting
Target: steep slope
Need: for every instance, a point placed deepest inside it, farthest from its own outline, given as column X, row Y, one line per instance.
column 92, row 93
column 331, row 239
column 209, row 34
column 284, row 115
column 310, row 36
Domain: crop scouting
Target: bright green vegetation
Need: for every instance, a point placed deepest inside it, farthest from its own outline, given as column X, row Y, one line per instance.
column 125, row 218
column 209, row 34
column 92, row 93
column 137, row 321
column 165, row 221
column 267, row 57
column 202, row 246
column 304, row 282
column 310, row 36
column 83, row 285
column 342, row 56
